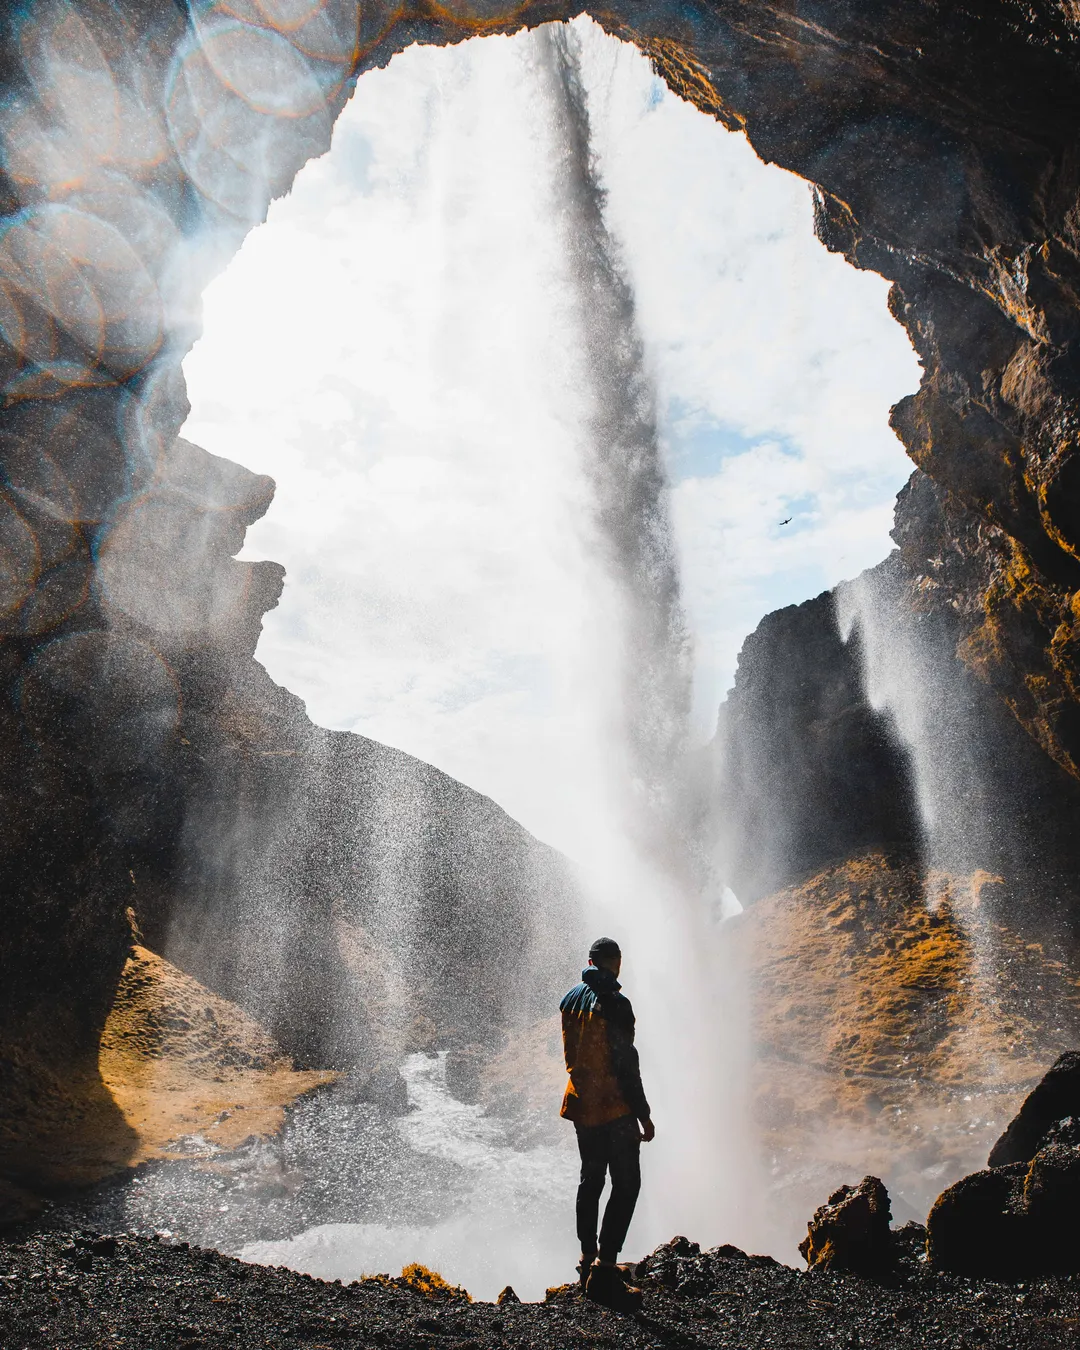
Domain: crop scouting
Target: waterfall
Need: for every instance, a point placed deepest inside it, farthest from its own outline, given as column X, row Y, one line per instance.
column 624, row 458
column 551, row 356
column 912, row 674
column 646, row 877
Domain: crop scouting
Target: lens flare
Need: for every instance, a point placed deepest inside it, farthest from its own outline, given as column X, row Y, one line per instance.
column 19, row 558
column 107, row 700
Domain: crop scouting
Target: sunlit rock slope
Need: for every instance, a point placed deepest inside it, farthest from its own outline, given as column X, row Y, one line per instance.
column 899, row 1021
column 176, row 1064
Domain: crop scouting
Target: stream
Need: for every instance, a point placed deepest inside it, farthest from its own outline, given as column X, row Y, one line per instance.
column 351, row 1187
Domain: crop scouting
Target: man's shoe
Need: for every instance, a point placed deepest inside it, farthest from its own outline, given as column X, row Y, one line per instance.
column 606, row 1285
column 584, row 1266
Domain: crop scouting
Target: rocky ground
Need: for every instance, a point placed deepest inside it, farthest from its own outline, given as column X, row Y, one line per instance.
column 59, row 1290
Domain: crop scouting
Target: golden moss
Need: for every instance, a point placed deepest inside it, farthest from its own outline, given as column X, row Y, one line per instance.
column 181, row 1061
column 431, row 1283
column 1019, row 614
column 689, row 79
column 898, row 1021
column 175, row 1061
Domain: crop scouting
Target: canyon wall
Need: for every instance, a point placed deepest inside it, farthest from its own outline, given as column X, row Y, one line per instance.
column 907, row 858
column 146, row 757
column 357, row 903
column 825, row 748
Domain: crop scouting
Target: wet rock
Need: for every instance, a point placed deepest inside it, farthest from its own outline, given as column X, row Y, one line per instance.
column 1019, row 1216
column 1056, row 1098
column 977, row 1227
column 464, row 1065
column 671, row 1264
column 1052, row 1206
column 507, row 1296
column 851, row 1231
column 385, row 1087
column 909, row 1243
column 808, row 771
column 1014, row 1221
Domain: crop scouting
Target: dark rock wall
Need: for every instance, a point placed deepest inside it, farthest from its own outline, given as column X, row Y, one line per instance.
column 943, row 140
column 827, row 746
column 141, row 142
column 809, row 772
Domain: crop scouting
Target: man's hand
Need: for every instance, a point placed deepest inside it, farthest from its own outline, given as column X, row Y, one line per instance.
column 648, row 1131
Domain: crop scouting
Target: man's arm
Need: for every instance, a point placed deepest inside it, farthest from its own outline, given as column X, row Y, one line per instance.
column 624, row 1061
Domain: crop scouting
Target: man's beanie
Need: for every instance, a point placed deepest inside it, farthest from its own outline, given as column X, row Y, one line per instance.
column 605, row 948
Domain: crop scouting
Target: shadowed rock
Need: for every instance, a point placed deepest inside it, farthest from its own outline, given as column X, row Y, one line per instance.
column 1056, row 1097
column 977, row 1226
column 1017, row 1219
column 851, row 1231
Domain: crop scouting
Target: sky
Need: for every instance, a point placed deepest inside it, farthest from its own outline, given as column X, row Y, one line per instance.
column 397, row 347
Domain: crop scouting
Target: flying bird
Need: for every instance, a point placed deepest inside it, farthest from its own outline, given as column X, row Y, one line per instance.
column 786, row 522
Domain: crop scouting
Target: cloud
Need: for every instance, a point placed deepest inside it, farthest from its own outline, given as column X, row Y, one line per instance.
column 396, row 346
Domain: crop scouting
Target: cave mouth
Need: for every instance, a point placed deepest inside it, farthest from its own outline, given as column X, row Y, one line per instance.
column 398, row 346
column 141, row 146
column 415, row 348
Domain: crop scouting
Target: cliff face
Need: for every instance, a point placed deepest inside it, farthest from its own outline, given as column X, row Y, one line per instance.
column 144, row 755
column 809, row 772
column 942, row 139
column 356, row 902
column 910, row 853
column 856, row 722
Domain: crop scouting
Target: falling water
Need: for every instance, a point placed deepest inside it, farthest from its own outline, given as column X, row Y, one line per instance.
column 911, row 674
column 646, row 878
column 623, row 455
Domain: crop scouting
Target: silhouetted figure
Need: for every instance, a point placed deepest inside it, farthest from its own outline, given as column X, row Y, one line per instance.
column 605, row 1100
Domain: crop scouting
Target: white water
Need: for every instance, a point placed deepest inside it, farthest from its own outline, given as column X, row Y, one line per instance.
column 515, row 1227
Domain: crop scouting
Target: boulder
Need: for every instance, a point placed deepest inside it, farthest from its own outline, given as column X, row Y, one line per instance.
column 1015, row 1221
column 1056, row 1097
column 851, row 1231
column 1052, row 1204
column 977, row 1227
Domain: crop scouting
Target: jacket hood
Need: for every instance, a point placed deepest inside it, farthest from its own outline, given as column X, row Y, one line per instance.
column 599, row 980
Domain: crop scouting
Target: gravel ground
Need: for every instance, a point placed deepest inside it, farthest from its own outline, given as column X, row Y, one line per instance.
column 59, row 1290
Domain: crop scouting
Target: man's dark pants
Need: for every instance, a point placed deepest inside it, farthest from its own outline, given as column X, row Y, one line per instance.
column 615, row 1148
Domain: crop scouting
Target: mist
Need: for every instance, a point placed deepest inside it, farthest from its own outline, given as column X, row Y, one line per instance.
column 481, row 477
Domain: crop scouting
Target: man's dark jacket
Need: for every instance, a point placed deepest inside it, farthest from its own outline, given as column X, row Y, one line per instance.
column 601, row 1059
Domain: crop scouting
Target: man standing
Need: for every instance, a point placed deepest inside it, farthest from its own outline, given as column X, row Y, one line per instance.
column 605, row 1100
